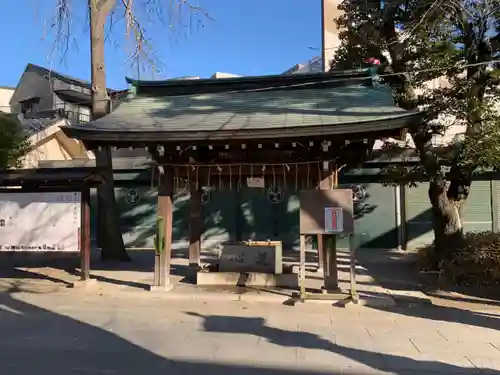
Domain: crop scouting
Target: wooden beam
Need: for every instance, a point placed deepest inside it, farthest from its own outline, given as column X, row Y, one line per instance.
column 304, row 176
column 74, row 148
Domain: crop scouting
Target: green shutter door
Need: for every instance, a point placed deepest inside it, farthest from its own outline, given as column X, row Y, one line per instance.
column 270, row 216
column 219, row 217
column 375, row 217
column 258, row 215
column 289, row 227
column 137, row 210
column 477, row 212
column 418, row 216
column 137, row 207
column 495, row 185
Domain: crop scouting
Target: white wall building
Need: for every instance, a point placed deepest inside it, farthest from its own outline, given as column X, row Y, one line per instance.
column 5, row 96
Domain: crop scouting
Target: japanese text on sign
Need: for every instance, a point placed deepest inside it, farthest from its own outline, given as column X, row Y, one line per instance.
column 334, row 222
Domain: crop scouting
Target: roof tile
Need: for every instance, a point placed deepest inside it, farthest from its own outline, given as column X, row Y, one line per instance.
column 237, row 110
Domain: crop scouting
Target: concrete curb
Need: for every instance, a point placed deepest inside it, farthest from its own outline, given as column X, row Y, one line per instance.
column 251, row 297
column 409, row 297
column 184, row 294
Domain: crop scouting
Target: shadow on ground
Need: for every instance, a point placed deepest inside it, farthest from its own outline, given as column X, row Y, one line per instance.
column 36, row 340
column 377, row 361
column 40, row 341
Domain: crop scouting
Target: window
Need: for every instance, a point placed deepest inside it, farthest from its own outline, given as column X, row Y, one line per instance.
column 30, row 106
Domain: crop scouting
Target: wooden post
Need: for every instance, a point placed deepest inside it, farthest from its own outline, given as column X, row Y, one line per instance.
column 331, row 277
column 194, row 226
column 165, row 210
column 302, row 271
column 321, row 252
column 327, row 251
column 352, row 253
column 323, row 184
column 85, row 235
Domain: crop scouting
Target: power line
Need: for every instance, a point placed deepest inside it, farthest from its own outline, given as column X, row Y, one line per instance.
column 333, row 79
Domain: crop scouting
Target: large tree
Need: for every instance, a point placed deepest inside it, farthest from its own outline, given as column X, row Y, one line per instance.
column 14, row 143
column 134, row 16
column 418, row 41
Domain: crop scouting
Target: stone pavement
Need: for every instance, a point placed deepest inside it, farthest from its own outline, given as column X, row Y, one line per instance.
column 79, row 333
column 379, row 278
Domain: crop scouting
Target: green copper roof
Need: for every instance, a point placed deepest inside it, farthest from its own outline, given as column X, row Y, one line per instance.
column 251, row 113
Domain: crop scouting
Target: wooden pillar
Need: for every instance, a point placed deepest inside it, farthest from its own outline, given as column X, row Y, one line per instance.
column 195, row 226
column 85, row 237
column 165, row 211
column 321, row 252
column 331, row 277
column 352, row 269
column 323, row 184
column 329, row 246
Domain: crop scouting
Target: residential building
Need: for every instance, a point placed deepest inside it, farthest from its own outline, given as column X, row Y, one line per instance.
column 43, row 101
column 47, row 140
column 315, row 65
column 5, row 95
column 224, row 75
column 41, row 91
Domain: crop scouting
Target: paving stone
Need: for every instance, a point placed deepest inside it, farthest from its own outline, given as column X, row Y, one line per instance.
column 485, row 363
column 427, row 364
column 66, row 334
column 460, row 348
column 328, row 360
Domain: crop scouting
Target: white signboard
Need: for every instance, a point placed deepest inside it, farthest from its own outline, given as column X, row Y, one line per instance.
column 256, row 182
column 40, row 221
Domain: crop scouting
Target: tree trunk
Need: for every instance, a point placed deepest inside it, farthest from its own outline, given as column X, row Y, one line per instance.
column 108, row 230
column 447, row 221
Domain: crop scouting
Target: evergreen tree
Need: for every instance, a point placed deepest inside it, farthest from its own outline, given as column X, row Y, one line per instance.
column 14, row 143
column 418, row 41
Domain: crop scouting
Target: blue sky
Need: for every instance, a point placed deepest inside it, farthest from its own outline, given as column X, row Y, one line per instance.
column 245, row 37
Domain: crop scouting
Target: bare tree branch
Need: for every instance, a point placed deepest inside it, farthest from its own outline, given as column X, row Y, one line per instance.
column 136, row 17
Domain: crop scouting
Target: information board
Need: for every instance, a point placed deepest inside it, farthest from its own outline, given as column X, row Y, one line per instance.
column 326, row 211
column 40, row 221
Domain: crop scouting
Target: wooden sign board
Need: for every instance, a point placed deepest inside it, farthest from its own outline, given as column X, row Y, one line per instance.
column 326, row 211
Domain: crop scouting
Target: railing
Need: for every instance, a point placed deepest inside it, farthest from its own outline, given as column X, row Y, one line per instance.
column 76, row 117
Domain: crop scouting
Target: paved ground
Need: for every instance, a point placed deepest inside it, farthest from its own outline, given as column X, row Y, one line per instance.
column 379, row 275
column 66, row 334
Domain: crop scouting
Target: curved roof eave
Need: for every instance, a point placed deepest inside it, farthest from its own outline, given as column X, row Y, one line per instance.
column 402, row 121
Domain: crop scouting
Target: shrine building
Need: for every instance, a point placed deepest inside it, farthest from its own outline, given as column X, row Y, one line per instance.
column 280, row 134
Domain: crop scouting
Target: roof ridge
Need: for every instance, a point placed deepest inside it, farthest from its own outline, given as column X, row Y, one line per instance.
column 279, row 77
column 63, row 77
column 67, row 78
